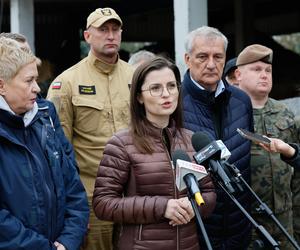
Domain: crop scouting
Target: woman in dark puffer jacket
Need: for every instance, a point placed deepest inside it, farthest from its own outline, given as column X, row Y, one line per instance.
column 135, row 186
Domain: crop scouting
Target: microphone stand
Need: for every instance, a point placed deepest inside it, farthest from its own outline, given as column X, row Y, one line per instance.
column 262, row 206
column 199, row 219
column 268, row 239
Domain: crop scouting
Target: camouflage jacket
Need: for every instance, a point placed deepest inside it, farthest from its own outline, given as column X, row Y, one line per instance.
column 271, row 176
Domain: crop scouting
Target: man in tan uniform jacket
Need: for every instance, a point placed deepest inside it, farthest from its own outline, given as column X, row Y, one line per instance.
column 92, row 100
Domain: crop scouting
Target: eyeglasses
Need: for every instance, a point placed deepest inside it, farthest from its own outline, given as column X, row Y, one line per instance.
column 157, row 89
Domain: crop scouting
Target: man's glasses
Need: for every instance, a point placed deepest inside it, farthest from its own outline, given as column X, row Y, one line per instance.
column 157, row 89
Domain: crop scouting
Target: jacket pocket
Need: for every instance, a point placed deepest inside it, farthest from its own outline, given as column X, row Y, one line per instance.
column 285, row 123
column 282, row 128
column 89, row 115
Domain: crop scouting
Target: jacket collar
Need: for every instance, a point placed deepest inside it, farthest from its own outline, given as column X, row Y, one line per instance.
column 219, row 90
column 24, row 120
column 269, row 107
column 101, row 65
column 157, row 133
column 203, row 95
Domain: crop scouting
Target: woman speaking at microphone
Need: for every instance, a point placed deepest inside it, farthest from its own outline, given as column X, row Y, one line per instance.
column 135, row 186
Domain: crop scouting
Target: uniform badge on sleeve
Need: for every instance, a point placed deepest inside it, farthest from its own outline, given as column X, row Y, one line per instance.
column 56, row 85
column 87, row 90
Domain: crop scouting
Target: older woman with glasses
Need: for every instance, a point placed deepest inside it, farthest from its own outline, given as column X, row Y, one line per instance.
column 43, row 204
column 135, row 186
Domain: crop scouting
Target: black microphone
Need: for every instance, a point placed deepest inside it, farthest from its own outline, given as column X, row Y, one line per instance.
column 182, row 161
column 179, row 154
column 209, row 152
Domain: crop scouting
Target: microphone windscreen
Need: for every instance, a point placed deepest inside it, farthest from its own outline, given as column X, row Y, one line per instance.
column 180, row 155
column 201, row 139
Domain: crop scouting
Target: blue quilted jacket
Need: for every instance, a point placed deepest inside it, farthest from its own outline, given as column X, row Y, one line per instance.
column 42, row 199
column 227, row 227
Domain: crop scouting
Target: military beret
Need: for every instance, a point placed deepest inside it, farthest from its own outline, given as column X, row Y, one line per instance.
column 254, row 53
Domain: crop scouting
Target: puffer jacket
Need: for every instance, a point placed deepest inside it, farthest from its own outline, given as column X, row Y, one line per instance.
column 133, row 189
column 228, row 227
column 42, row 199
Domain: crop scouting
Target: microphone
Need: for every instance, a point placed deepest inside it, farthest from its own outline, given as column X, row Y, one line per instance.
column 209, row 152
column 192, row 185
column 190, row 173
column 230, row 169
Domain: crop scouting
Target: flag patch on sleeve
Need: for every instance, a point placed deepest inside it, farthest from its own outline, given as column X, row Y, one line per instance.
column 56, row 85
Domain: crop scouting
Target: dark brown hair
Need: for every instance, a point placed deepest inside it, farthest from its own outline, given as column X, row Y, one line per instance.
column 139, row 122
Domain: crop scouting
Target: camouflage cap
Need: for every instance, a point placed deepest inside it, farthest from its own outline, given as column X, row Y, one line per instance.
column 100, row 16
column 254, row 53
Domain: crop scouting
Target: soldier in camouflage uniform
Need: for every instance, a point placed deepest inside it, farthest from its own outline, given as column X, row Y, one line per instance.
column 271, row 176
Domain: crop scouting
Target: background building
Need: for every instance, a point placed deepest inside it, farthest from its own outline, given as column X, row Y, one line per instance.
column 54, row 29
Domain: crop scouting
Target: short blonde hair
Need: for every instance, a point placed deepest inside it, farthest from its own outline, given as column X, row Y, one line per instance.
column 15, row 36
column 13, row 57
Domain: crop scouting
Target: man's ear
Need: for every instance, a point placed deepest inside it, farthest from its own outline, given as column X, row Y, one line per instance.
column 187, row 58
column 86, row 35
column 237, row 74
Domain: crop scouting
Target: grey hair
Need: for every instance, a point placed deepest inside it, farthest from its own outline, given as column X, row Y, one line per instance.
column 142, row 55
column 15, row 36
column 13, row 57
column 204, row 31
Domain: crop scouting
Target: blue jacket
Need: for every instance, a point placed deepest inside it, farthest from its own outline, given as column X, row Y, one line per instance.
column 227, row 227
column 42, row 199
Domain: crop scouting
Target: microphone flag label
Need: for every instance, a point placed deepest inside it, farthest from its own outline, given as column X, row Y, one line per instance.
column 185, row 167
